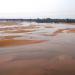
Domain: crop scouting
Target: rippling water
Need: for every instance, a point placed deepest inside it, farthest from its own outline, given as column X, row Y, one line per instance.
column 54, row 56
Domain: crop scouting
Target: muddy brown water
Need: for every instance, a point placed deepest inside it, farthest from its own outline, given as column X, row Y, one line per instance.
column 54, row 56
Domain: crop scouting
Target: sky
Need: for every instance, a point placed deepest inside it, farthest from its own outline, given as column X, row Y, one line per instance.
column 37, row 8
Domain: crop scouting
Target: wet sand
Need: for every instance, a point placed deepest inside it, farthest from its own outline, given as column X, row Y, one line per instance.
column 29, row 53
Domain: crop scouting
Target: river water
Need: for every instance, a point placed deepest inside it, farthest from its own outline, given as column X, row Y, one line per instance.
column 54, row 56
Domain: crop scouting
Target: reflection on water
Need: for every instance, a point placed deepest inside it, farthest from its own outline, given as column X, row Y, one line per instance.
column 50, row 49
column 34, row 30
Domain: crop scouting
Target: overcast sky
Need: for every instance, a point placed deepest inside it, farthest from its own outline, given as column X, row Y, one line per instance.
column 37, row 8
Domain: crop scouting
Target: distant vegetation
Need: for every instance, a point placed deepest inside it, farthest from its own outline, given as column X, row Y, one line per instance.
column 45, row 20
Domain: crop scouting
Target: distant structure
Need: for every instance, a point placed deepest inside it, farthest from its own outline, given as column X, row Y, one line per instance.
column 44, row 20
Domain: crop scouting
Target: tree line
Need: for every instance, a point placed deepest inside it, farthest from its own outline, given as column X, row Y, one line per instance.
column 44, row 20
